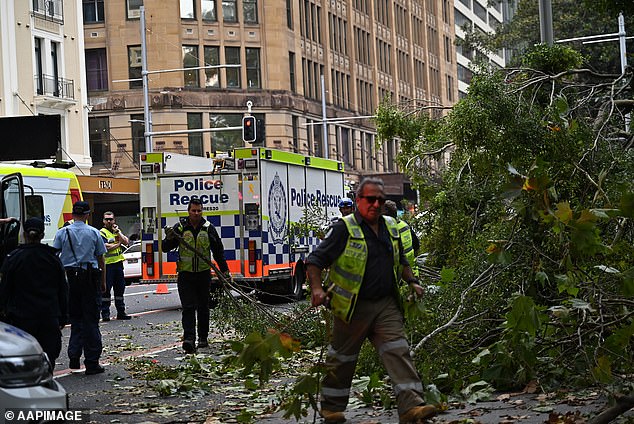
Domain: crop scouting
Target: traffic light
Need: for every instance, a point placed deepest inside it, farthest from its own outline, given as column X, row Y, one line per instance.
column 249, row 131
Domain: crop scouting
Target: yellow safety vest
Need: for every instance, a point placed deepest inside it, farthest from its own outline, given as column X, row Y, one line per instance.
column 115, row 255
column 406, row 239
column 188, row 261
column 347, row 271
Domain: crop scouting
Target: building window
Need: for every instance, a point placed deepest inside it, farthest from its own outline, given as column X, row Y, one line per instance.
column 190, row 60
column 39, row 71
column 291, row 70
column 188, row 9
column 208, row 9
column 96, row 69
column 368, row 152
column 212, row 57
column 133, row 8
column 450, row 88
column 232, row 57
column 50, row 10
column 295, row 125
column 93, row 11
column 195, row 140
column 134, row 66
column 250, row 11
column 138, row 138
column 317, row 137
column 480, row 11
column 346, row 156
column 225, row 141
column 253, row 67
column 229, row 11
column 289, row 14
column 448, row 52
column 98, row 136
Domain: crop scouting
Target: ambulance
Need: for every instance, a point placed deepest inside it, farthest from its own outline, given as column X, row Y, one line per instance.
column 267, row 205
column 58, row 187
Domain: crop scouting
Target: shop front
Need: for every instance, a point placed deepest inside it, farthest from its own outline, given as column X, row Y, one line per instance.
column 118, row 195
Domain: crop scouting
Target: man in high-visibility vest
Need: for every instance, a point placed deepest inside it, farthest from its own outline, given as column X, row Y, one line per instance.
column 410, row 241
column 194, row 275
column 366, row 260
column 115, row 279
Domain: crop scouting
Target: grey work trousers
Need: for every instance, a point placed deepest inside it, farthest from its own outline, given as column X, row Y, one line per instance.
column 381, row 322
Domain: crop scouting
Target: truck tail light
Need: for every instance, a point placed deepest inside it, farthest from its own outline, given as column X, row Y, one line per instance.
column 252, row 256
column 149, row 258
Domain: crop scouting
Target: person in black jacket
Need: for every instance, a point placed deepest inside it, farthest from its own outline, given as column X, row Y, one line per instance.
column 34, row 291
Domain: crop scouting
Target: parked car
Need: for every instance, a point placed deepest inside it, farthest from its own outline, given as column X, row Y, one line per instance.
column 132, row 263
column 26, row 376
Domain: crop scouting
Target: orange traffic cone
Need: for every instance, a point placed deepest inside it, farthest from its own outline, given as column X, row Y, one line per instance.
column 161, row 289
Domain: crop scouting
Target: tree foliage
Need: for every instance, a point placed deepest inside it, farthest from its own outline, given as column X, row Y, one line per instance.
column 531, row 216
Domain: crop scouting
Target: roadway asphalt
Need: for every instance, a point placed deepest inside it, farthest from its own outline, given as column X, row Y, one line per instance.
column 119, row 396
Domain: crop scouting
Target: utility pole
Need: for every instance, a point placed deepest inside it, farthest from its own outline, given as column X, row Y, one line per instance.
column 602, row 38
column 147, row 118
column 546, row 21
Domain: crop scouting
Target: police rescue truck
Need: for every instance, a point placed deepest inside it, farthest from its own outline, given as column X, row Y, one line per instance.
column 257, row 198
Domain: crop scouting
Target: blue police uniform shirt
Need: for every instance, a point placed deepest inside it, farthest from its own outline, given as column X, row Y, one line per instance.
column 87, row 244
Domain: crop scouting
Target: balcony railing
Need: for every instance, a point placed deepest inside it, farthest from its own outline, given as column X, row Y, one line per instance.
column 48, row 85
column 50, row 10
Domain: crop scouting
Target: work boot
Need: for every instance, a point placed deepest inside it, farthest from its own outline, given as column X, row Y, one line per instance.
column 95, row 369
column 189, row 346
column 332, row 417
column 418, row 413
column 123, row 316
column 203, row 343
column 74, row 364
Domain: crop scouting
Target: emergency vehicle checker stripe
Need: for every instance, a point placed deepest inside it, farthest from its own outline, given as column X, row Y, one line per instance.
column 228, row 227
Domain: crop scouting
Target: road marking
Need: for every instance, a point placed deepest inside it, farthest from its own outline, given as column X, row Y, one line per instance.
column 147, row 292
column 154, row 350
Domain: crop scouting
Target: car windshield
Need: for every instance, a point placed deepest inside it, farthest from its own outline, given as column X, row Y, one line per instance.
column 135, row 248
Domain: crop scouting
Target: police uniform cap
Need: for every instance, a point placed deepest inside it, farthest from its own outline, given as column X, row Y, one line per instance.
column 81, row 208
column 34, row 224
column 345, row 203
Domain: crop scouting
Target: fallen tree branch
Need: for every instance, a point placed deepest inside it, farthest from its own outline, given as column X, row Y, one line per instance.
column 623, row 404
column 463, row 295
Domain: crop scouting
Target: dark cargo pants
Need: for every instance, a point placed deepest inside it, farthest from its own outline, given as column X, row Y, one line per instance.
column 381, row 322
column 84, row 301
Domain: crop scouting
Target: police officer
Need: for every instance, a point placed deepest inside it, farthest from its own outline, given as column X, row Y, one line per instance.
column 365, row 256
column 194, row 277
column 34, row 291
column 81, row 252
column 346, row 206
column 114, row 239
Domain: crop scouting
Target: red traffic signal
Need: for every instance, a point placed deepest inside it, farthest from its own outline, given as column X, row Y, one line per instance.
column 249, row 131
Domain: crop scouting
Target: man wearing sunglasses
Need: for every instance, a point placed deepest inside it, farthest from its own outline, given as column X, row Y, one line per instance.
column 366, row 260
column 115, row 278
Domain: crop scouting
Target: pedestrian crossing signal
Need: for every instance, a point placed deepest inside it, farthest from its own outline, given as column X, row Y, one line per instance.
column 249, row 129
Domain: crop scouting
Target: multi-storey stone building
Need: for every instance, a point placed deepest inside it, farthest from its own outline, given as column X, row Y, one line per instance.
column 42, row 70
column 364, row 49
